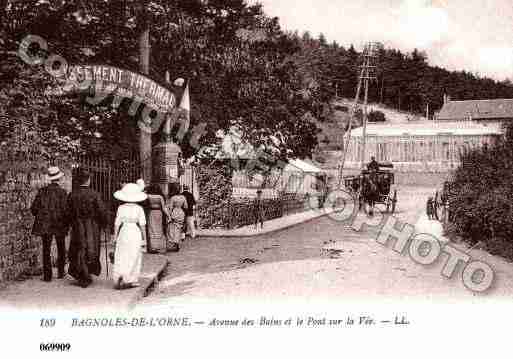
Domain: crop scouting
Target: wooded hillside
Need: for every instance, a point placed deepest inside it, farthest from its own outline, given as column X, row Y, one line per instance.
column 405, row 81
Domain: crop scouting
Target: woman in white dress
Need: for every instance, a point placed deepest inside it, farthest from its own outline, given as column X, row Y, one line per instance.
column 130, row 233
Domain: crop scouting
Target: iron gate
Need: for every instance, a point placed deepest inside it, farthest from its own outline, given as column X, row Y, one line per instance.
column 108, row 176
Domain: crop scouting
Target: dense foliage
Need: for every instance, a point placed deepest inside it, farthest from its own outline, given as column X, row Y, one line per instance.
column 481, row 193
column 215, row 191
column 24, row 106
column 237, row 60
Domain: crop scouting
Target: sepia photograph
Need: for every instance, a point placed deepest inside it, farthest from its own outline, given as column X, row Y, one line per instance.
column 301, row 178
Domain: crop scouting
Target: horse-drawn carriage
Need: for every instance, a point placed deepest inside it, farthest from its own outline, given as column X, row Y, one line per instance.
column 373, row 186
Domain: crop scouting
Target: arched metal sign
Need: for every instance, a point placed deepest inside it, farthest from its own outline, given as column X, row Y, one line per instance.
column 121, row 83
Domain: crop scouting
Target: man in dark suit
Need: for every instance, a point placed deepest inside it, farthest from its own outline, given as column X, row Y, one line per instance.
column 89, row 217
column 373, row 165
column 50, row 209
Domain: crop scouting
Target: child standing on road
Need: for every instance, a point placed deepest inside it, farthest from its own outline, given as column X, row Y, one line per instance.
column 258, row 210
column 430, row 208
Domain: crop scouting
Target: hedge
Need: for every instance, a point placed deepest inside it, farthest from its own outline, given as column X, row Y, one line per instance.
column 481, row 196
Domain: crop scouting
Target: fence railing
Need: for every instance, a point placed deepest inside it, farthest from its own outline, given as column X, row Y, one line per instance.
column 241, row 212
column 108, row 176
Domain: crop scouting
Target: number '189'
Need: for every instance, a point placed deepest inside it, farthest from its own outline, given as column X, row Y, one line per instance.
column 47, row 323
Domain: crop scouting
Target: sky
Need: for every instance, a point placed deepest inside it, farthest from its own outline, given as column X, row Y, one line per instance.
column 471, row 35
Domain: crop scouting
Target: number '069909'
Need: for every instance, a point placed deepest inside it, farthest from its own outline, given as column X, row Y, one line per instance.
column 54, row 347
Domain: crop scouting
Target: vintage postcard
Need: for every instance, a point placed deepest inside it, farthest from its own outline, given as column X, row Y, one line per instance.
column 248, row 178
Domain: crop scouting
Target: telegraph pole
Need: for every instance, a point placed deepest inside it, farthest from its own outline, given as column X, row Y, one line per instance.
column 365, row 98
column 353, row 111
column 369, row 73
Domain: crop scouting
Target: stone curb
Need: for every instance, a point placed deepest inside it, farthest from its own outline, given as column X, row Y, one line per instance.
column 224, row 233
column 148, row 286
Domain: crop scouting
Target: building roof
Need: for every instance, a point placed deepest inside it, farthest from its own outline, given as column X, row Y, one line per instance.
column 428, row 128
column 477, row 109
column 300, row 165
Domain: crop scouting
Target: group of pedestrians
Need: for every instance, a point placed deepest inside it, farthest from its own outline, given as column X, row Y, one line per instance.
column 171, row 220
column 144, row 217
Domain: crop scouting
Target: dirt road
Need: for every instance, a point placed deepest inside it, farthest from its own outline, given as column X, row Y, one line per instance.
column 318, row 260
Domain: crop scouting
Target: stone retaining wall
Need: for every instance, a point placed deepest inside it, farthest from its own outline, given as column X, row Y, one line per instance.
column 20, row 252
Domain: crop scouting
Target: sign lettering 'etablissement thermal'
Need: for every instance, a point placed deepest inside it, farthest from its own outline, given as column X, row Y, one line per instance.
column 123, row 83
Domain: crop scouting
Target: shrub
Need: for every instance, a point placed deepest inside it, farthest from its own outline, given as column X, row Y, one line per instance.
column 376, row 116
column 481, row 196
column 215, row 186
column 218, row 209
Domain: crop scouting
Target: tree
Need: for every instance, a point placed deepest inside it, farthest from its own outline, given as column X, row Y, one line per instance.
column 236, row 58
column 25, row 104
column 322, row 40
column 243, row 69
column 307, row 37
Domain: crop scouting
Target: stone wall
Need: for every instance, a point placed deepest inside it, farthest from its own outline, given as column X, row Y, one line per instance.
column 20, row 252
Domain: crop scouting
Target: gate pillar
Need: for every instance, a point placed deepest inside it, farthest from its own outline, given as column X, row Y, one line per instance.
column 165, row 164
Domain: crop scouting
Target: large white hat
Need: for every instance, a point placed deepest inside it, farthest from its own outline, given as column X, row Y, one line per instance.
column 130, row 193
column 141, row 184
column 54, row 173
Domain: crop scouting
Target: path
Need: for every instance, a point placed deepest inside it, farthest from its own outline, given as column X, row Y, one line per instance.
column 318, row 260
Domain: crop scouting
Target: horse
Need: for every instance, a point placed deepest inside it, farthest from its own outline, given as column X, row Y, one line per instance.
column 369, row 192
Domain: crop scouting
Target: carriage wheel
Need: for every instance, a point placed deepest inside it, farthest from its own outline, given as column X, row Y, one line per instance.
column 394, row 201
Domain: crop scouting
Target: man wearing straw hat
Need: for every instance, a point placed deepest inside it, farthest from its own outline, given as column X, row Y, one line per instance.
column 50, row 209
